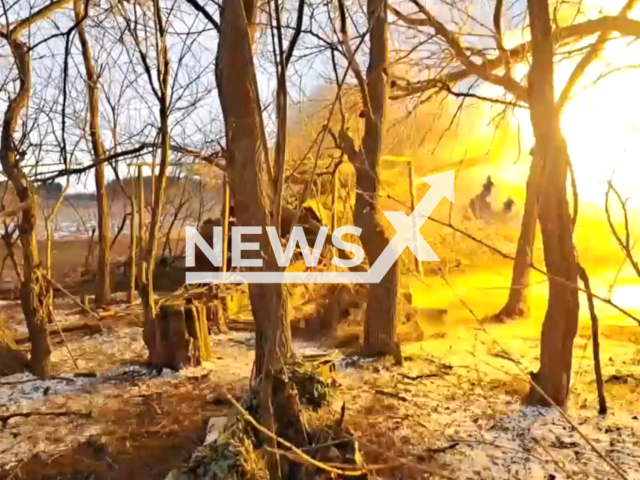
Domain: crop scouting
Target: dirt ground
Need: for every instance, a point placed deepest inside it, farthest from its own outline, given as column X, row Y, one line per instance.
column 112, row 418
column 454, row 407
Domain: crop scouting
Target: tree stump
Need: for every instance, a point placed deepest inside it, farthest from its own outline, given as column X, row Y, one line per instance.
column 182, row 338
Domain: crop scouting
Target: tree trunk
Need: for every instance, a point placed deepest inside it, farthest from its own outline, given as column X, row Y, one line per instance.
column 595, row 341
column 33, row 291
column 253, row 192
column 103, row 284
column 273, row 332
column 381, row 317
column 561, row 320
column 142, row 225
column 146, row 287
column 517, row 304
column 249, row 180
column 133, row 247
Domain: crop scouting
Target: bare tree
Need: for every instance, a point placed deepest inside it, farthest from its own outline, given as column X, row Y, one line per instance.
column 517, row 305
column 381, row 317
column 162, row 95
column 255, row 190
column 561, row 320
column 251, row 183
column 103, row 282
column 33, row 289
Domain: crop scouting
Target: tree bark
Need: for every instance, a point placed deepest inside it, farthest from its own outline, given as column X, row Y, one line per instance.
column 146, row 287
column 103, row 284
column 33, row 291
column 561, row 320
column 517, row 304
column 142, row 225
column 248, row 173
column 253, row 191
column 381, row 316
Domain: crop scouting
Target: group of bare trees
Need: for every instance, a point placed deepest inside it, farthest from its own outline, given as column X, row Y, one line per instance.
column 145, row 84
column 87, row 104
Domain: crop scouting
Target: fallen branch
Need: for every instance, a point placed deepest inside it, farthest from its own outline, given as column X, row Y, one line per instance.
column 443, row 449
column 407, row 463
column 397, row 396
column 59, row 413
column 297, row 451
column 53, row 377
column 64, row 340
column 296, row 458
column 505, row 357
column 413, row 378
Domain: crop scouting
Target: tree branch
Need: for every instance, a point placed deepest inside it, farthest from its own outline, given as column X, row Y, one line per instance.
column 590, row 57
column 200, row 9
column 40, row 14
column 296, row 35
column 479, row 70
column 622, row 25
column 497, row 26
column 352, row 62
column 215, row 160
column 625, row 245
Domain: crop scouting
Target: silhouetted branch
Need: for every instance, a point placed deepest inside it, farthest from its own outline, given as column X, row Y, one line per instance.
column 620, row 24
column 595, row 339
column 200, row 9
column 624, row 244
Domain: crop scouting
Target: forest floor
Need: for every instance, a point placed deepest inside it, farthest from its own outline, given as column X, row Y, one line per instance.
column 453, row 407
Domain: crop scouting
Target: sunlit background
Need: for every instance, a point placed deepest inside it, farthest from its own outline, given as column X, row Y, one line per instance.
column 600, row 122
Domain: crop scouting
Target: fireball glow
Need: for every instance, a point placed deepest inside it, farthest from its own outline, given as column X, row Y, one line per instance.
column 600, row 123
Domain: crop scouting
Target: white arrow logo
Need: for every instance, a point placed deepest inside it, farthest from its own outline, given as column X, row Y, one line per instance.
column 407, row 235
column 408, row 227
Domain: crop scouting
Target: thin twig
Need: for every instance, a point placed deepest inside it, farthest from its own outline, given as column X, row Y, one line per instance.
column 74, row 299
column 602, row 401
column 297, row 451
column 64, row 340
column 408, row 463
